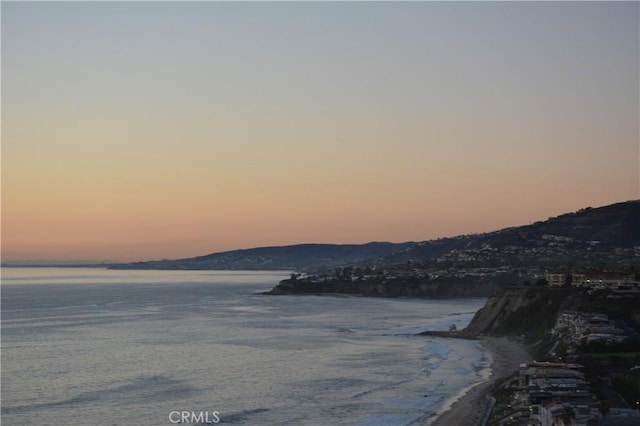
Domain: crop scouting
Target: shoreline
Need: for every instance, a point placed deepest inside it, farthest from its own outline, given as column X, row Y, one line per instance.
column 469, row 406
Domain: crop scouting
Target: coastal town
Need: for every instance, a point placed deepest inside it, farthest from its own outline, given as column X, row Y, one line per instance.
column 572, row 303
column 590, row 376
column 585, row 361
column 619, row 283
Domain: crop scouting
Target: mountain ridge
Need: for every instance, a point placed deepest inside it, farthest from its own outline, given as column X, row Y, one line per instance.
column 612, row 226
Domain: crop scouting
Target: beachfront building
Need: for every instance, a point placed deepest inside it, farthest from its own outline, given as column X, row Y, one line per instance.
column 578, row 328
column 556, row 280
column 547, row 394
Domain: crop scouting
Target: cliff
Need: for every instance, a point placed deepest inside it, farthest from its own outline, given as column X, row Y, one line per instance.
column 399, row 287
column 530, row 312
column 522, row 311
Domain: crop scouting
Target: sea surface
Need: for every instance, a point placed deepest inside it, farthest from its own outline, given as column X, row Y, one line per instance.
column 85, row 346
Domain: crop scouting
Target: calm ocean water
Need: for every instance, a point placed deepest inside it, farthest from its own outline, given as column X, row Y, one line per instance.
column 100, row 347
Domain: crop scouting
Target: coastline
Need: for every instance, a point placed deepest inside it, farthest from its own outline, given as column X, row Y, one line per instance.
column 469, row 407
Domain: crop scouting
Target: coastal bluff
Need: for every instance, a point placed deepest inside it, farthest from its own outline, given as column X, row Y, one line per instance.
column 398, row 287
column 530, row 313
column 523, row 311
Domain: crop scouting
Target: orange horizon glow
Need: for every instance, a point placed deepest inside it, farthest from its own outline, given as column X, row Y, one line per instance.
column 139, row 131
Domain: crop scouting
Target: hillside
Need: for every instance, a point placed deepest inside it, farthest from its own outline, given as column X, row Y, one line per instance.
column 531, row 312
column 615, row 225
column 515, row 311
column 295, row 257
column 591, row 237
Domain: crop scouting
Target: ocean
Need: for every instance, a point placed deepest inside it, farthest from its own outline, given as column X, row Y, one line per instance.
column 90, row 346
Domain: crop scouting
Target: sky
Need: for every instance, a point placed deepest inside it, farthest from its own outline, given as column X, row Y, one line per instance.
column 150, row 130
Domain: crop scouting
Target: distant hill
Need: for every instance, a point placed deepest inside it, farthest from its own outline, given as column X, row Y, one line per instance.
column 579, row 235
column 301, row 256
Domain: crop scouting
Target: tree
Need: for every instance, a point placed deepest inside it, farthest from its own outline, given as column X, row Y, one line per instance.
column 542, row 283
column 358, row 273
column 568, row 414
column 603, row 406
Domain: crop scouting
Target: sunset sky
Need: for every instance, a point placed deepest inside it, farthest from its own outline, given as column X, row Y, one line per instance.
column 147, row 130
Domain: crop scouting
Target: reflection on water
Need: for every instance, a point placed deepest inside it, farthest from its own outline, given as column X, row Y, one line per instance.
column 93, row 346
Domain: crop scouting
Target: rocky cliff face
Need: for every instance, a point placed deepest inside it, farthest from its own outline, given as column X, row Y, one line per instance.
column 524, row 311
column 449, row 289
column 530, row 313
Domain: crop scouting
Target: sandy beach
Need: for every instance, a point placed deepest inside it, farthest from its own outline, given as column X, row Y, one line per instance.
column 470, row 408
